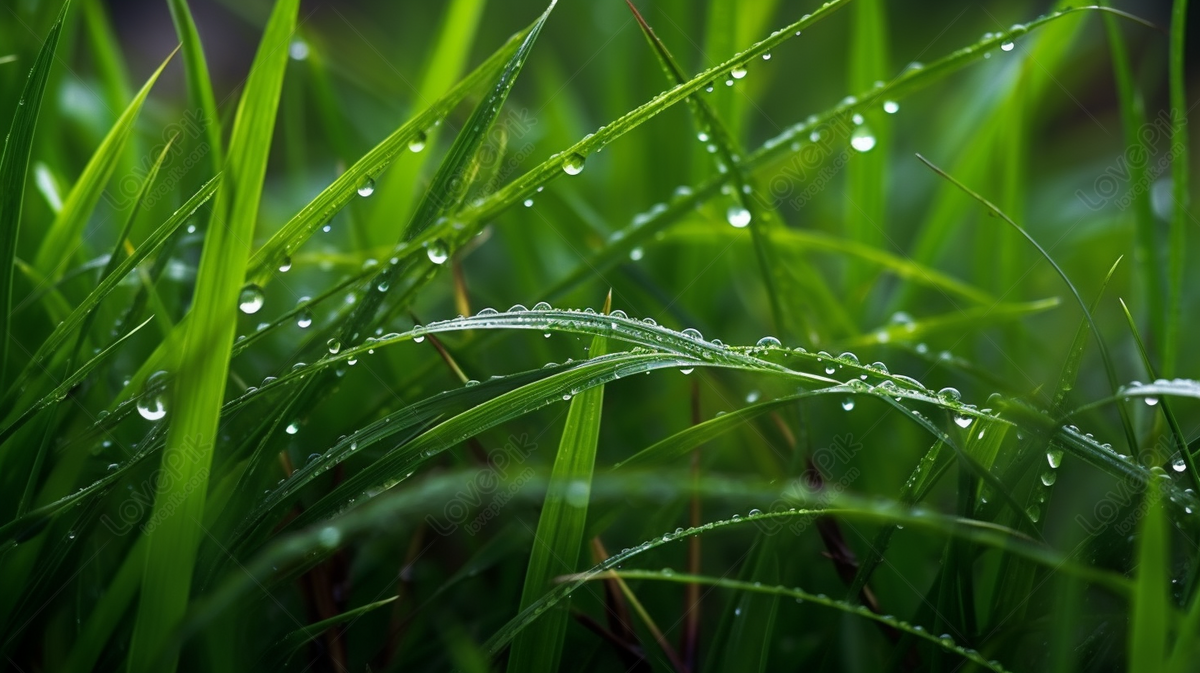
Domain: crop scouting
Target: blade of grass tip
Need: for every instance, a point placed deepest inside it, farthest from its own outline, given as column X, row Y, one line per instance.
column 199, row 387
column 14, row 172
column 866, row 189
column 63, row 238
column 1151, row 611
column 1180, row 439
column 1070, row 372
column 1179, row 188
column 747, row 210
column 1109, row 370
column 561, row 526
column 1133, row 117
column 447, row 60
column 450, row 183
column 199, row 84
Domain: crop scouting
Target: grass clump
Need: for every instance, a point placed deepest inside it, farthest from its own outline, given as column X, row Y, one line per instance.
column 891, row 373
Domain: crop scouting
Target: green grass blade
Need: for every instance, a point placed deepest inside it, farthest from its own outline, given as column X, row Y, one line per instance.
column 1105, row 358
column 1180, row 439
column 1177, row 248
column 560, row 529
column 199, row 387
column 450, row 183
column 14, row 173
column 111, row 281
column 1152, row 610
column 866, row 187
column 1133, row 117
column 62, row 240
column 199, row 84
column 266, row 260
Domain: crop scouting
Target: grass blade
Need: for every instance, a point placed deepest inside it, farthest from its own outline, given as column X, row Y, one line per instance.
column 63, row 238
column 200, row 384
column 14, row 173
column 560, row 529
column 1152, row 610
column 200, row 91
column 1179, row 188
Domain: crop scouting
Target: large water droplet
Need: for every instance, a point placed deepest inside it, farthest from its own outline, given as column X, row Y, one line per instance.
column 251, row 299
column 738, row 216
column 891, row 107
column 1049, row 477
column 417, row 143
column 1007, row 45
column 1054, row 458
column 334, row 346
column 738, row 71
column 285, row 264
column 769, row 342
column 962, row 421
column 573, row 164
column 438, row 251
column 292, row 428
column 862, row 139
column 151, row 406
column 1150, row 401
column 367, row 188
column 1178, row 465
column 848, row 403
column 304, row 318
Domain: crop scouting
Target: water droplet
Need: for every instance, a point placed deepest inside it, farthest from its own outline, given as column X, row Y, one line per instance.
column 949, row 394
column 334, row 346
column 693, row 333
column 1049, row 477
column 752, row 397
column 848, row 403
column 438, row 251
column 1150, row 401
column 862, row 139
column 1054, row 458
column 1034, row 513
column 769, row 342
column 329, row 537
column 766, row 56
column 528, row 203
column 304, row 318
column 577, row 493
column 152, row 405
column 738, row 216
column 417, row 143
column 251, row 299
column 891, row 107
column 637, row 253
column 367, row 188
column 1007, row 45
column 738, row 72
column 292, row 427
column 285, row 264
column 962, row 421
column 1178, row 465
column 573, row 164
column 687, row 370
column 298, row 50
